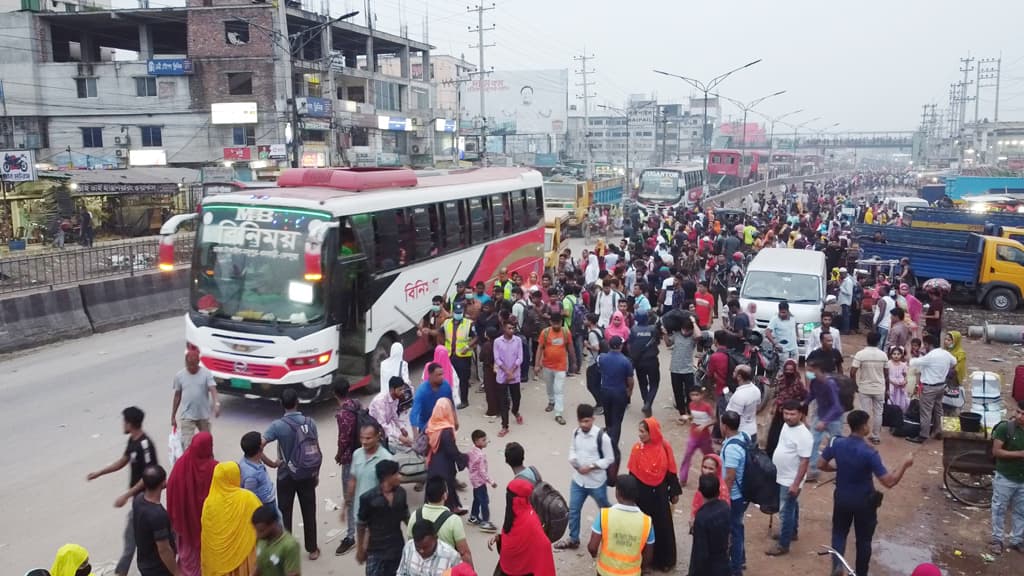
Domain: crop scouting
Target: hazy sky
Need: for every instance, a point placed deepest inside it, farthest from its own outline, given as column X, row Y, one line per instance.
column 868, row 65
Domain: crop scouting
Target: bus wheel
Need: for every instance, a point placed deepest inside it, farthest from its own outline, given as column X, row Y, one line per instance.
column 379, row 354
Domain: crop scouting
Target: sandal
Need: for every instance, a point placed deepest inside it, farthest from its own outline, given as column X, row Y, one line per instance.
column 995, row 548
column 567, row 545
column 503, row 432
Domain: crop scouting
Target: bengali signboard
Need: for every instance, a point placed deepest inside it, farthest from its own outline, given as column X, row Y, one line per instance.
column 169, row 67
column 121, row 188
column 19, row 166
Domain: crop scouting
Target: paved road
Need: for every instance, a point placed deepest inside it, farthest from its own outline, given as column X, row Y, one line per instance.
column 61, row 407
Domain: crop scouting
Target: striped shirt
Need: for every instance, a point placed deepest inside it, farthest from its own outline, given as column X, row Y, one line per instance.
column 443, row 558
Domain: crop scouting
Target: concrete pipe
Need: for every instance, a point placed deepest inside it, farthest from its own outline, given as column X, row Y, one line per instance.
column 1005, row 333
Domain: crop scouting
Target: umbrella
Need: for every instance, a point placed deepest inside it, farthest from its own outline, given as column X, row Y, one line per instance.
column 940, row 285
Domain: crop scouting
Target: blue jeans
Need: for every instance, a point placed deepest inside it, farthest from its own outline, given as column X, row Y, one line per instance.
column 844, row 318
column 350, row 516
column 883, row 337
column 833, row 429
column 1006, row 494
column 383, row 563
column 737, row 551
column 481, row 504
column 789, row 515
column 577, row 497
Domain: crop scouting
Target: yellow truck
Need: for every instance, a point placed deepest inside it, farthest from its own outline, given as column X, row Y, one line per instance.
column 555, row 240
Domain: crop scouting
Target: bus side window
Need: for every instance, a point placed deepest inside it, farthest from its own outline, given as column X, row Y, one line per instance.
column 476, row 221
column 538, row 203
column 452, row 228
column 362, row 227
column 499, row 214
column 517, row 210
column 422, row 238
column 463, row 224
column 531, row 207
column 435, row 229
column 485, row 206
column 385, row 227
column 506, row 201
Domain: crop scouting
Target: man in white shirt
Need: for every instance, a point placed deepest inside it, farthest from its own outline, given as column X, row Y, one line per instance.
column 745, row 400
column 606, row 304
column 827, row 327
column 883, row 318
column 872, row 378
column 590, row 454
column 424, row 554
column 781, row 333
column 934, row 366
column 792, row 457
column 845, row 299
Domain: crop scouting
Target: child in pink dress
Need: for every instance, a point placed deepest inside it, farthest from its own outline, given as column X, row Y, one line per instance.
column 897, row 367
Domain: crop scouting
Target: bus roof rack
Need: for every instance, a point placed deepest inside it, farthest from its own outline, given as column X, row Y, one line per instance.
column 348, row 179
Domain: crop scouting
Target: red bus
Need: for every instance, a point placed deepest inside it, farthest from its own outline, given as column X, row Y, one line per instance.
column 302, row 284
column 725, row 169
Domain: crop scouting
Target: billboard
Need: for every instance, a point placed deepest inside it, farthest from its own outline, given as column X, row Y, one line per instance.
column 19, row 166
column 233, row 113
column 519, row 102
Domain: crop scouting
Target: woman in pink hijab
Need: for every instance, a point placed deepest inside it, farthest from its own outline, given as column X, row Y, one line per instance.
column 441, row 358
column 914, row 308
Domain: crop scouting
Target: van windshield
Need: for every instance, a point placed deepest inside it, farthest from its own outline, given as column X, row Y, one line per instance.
column 779, row 286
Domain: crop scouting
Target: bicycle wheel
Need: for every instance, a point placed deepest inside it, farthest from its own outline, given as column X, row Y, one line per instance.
column 965, row 484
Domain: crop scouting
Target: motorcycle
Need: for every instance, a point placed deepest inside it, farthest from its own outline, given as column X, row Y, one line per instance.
column 13, row 161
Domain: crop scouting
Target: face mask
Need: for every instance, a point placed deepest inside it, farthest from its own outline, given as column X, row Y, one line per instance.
column 470, row 296
column 435, row 308
column 458, row 316
column 809, row 375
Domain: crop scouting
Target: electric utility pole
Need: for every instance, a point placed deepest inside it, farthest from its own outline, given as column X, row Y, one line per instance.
column 585, row 85
column 481, row 72
column 988, row 69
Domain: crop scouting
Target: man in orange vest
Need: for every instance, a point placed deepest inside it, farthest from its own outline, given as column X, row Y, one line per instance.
column 622, row 536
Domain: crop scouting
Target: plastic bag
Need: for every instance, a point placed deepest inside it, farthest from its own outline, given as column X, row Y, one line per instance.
column 174, row 449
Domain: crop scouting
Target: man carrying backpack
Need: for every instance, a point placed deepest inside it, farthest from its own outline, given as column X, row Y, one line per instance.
column 574, row 315
column 348, row 441
column 447, row 525
column 734, row 459
column 829, row 411
column 298, row 448
column 590, row 455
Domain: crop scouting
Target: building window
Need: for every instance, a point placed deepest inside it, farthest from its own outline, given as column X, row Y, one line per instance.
column 239, row 83
column 236, row 32
column 92, row 137
column 145, row 86
column 244, row 135
column 152, row 136
column 386, row 95
column 86, row 87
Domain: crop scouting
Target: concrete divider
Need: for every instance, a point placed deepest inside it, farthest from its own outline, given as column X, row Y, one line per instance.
column 41, row 318
column 119, row 302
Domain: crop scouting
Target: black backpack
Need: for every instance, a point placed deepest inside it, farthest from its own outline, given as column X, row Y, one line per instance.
column 363, row 418
column 736, row 358
column 602, row 344
column 304, row 460
column 846, row 389
column 437, row 522
column 759, row 476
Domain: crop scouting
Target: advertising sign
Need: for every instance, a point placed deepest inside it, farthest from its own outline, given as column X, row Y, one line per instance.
column 147, row 157
column 278, row 151
column 243, row 153
column 520, row 102
column 169, row 67
column 395, row 123
column 118, row 188
column 233, row 113
column 315, row 107
column 19, row 166
column 444, row 125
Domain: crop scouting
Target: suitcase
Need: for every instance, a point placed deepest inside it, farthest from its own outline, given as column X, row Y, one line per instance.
column 1018, row 383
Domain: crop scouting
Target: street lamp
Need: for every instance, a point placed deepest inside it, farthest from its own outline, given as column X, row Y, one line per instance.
column 771, row 137
column 747, row 108
column 706, row 88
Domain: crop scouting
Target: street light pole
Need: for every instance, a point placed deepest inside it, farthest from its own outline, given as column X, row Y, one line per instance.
column 771, row 139
column 706, row 88
column 747, row 108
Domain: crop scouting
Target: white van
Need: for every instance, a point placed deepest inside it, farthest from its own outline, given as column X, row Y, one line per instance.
column 787, row 275
column 901, row 203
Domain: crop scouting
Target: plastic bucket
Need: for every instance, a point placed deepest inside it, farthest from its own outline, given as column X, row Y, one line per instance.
column 970, row 422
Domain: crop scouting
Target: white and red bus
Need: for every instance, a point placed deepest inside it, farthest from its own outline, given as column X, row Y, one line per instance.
column 725, row 169
column 671, row 186
column 295, row 286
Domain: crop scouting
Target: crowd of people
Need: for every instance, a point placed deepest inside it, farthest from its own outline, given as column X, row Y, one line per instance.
column 603, row 317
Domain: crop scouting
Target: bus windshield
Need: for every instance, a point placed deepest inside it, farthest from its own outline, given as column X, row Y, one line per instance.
column 659, row 185
column 249, row 265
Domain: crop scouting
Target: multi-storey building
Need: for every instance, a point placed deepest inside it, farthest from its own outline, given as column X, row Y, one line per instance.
column 251, row 84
